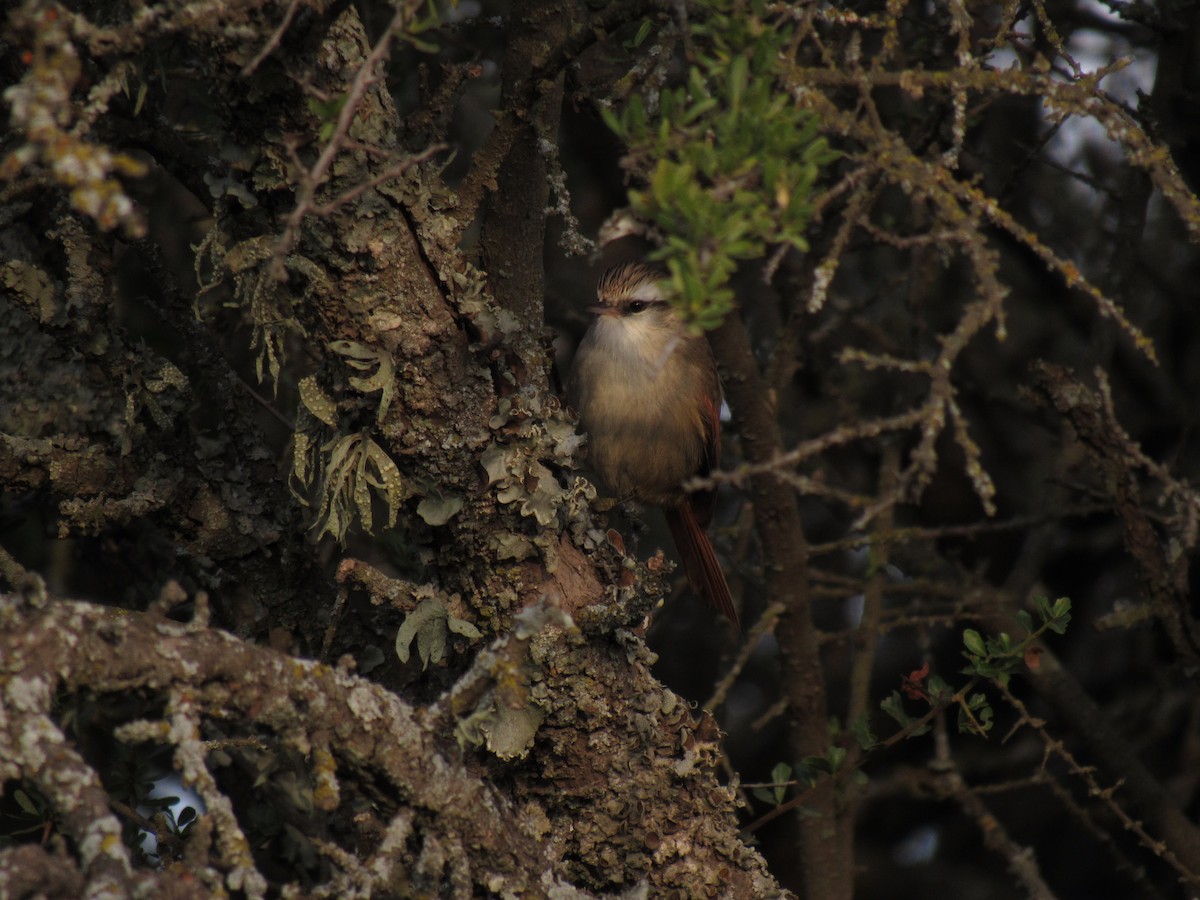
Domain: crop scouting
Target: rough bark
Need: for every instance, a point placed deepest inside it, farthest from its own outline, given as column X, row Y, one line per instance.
column 540, row 756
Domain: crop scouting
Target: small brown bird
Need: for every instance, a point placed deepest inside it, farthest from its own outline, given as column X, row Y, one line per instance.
column 649, row 398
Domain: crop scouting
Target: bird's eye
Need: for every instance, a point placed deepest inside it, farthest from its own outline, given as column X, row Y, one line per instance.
column 636, row 306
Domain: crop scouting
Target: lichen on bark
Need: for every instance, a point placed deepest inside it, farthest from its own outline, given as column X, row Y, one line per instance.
column 538, row 756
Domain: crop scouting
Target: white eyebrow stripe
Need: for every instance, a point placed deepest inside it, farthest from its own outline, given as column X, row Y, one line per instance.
column 648, row 292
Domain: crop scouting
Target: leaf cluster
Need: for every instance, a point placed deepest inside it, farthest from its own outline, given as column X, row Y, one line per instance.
column 729, row 160
column 999, row 657
column 993, row 658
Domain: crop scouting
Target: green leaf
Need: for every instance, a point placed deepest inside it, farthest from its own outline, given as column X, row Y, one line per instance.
column 1042, row 604
column 614, row 122
column 739, row 73
column 974, row 642
column 26, row 804
column 1025, row 620
column 807, row 773
column 728, row 162
column 1059, row 626
column 420, row 44
column 975, row 715
column 894, row 707
column 837, row 756
column 327, row 110
column 860, row 728
column 938, row 689
column 643, row 32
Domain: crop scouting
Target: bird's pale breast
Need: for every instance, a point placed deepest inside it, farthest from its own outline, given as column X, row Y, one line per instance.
column 646, row 433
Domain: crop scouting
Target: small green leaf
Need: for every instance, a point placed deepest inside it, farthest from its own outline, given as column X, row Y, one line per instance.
column 781, row 774
column 739, row 73
column 863, row 735
column 419, row 44
column 1043, row 608
column 643, row 32
column 613, row 121
column 837, row 756
column 938, row 689
column 25, row 803
column 327, row 110
column 1025, row 620
column 894, row 707
column 974, row 642
column 976, row 717
column 807, row 773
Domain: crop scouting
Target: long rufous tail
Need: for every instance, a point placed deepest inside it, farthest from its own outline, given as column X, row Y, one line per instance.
column 700, row 560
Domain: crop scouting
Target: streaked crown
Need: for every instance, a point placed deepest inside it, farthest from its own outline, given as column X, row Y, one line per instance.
column 630, row 288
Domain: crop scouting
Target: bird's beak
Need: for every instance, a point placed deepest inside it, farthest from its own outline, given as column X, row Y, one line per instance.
column 603, row 310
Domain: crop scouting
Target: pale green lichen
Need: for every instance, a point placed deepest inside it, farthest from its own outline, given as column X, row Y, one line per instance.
column 507, row 732
column 364, row 703
column 439, row 510
column 28, row 694
column 33, row 287
column 317, row 402
column 520, row 478
column 351, row 469
column 371, row 360
column 430, row 624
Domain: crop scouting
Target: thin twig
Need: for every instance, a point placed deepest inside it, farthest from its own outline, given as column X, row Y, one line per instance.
column 273, row 42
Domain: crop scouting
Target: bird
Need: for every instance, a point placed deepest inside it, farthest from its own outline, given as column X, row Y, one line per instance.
column 648, row 396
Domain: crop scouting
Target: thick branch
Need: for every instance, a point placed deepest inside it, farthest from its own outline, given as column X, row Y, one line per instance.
column 74, row 646
column 826, row 840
